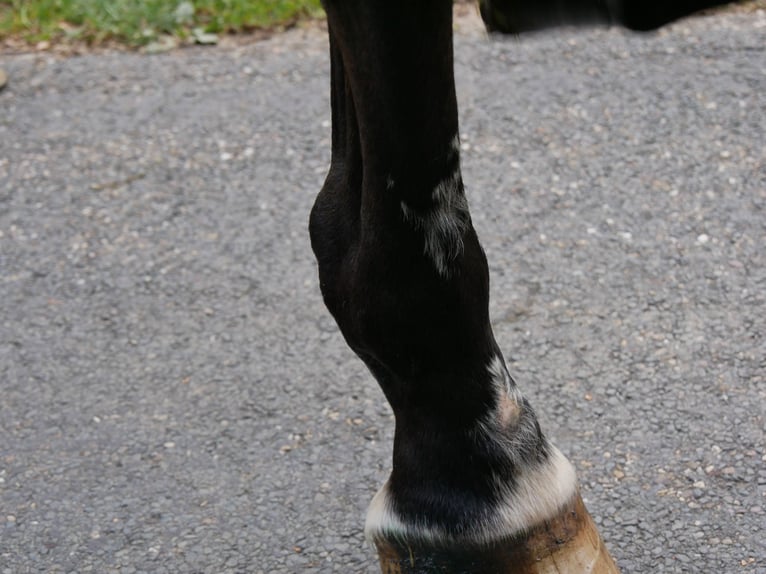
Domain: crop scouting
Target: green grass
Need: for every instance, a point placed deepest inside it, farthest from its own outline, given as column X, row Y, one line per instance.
column 140, row 22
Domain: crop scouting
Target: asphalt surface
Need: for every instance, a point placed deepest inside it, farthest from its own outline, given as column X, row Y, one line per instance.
column 174, row 398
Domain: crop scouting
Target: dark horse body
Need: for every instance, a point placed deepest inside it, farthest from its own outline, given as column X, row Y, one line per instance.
column 475, row 484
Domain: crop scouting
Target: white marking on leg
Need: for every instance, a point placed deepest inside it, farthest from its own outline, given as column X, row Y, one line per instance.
column 456, row 143
column 538, row 494
column 538, row 491
column 381, row 519
column 389, row 182
column 501, row 378
column 443, row 224
column 447, row 188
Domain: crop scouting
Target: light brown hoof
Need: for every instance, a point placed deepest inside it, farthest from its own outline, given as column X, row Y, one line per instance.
column 567, row 544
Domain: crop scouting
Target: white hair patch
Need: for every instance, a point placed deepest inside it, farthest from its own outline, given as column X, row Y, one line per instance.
column 456, row 143
column 538, row 494
column 444, row 224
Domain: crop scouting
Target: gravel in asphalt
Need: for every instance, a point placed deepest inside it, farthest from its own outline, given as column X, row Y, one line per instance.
column 174, row 398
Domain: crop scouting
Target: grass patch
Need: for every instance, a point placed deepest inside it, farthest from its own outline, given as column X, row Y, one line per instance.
column 140, row 22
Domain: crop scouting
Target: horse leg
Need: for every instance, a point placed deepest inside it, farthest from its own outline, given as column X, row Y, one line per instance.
column 515, row 16
column 475, row 486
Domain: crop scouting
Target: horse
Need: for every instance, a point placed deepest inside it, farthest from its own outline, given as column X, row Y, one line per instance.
column 475, row 485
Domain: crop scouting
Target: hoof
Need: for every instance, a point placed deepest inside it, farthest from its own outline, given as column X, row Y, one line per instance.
column 566, row 544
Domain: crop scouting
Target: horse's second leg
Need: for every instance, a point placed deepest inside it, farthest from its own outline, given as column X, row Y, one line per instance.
column 475, row 485
column 516, row 16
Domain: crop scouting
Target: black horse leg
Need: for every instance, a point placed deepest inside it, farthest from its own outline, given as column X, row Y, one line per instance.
column 475, row 483
column 516, row 16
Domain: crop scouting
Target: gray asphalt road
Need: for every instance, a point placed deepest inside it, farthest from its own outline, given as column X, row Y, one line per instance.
column 175, row 398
